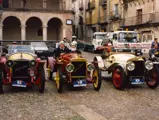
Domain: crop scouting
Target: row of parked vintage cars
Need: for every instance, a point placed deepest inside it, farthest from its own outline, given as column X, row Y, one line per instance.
column 23, row 66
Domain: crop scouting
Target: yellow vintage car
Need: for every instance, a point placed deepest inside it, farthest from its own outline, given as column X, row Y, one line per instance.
column 74, row 70
column 21, row 68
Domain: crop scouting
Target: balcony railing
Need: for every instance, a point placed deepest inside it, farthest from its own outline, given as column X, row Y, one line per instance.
column 102, row 19
column 37, row 5
column 145, row 18
column 115, row 15
column 88, row 21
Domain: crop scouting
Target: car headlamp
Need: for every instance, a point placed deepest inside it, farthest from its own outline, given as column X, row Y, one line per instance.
column 70, row 68
column 130, row 66
column 9, row 63
column 149, row 65
column 32, row 63
column 90, row 67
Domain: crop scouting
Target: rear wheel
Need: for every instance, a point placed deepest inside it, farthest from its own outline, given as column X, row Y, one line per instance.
column 119, row 77
column 1, row 83
column 153, row 79
column 59, row 80
column 42, row 82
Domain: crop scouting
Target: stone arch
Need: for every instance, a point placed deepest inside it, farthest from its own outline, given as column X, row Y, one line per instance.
column 34, row 30
column 11, row 28
column 55, row 29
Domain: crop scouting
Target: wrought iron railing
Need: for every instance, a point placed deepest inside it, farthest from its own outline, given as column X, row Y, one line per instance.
column 103, row 2
column 115, row 15
column 145, row 18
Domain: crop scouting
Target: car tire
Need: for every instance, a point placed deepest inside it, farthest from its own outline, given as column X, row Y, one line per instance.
column 152, row 80
column 42, row 82
column 97, row 78
column 59, row 80
column 119, row 78
column 1, row 83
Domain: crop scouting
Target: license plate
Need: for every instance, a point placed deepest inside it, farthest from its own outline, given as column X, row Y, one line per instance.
column 19, row 83
column 137, row 81
column 80, row 83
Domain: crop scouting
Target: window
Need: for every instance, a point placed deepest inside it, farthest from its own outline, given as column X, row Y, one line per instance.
column 139, row 16
column 40, row 32
column 116, row 9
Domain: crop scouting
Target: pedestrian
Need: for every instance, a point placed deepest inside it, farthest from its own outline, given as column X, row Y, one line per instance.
column 154, row 47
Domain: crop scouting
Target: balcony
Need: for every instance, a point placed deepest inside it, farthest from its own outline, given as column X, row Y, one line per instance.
column 88, row 21
column 115, row 16
column 36, row 5
column 103, row 19
column 143, row 19
column 103, row 3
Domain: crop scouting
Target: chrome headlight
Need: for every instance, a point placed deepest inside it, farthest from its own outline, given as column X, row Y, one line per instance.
column 149, row 65
column 9, row 63
column 32, row 63
column 130, row 66
column 70, row 68
column 90, row 67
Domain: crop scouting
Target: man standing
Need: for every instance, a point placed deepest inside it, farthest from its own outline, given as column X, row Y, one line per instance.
column 154, row 47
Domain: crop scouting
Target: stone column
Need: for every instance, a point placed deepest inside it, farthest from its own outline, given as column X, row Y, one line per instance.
column 23, row 32
column 64, row 32
column 45, row 33
column 1, row 32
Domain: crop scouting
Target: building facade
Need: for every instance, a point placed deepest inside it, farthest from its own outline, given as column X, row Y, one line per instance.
column 142, row 16
column 78, row 7
column 115, row 14
column 96, row 17
column 36, row 20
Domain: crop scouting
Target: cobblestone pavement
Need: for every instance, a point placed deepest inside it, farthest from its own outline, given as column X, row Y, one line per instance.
column 134, row 103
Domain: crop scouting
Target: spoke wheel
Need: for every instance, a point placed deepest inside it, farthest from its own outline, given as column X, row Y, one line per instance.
column 97, row 78
column 42, row 81
column 59, row 80
column 119, row 78
column 152, row 81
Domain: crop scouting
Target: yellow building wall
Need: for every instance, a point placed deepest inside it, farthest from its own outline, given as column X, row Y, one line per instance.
column 95, row 12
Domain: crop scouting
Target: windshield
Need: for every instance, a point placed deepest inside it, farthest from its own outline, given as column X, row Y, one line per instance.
column 128, row 37
column 100, row 36
column 20, row 48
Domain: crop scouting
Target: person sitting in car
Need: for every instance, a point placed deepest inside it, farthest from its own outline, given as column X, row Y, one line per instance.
column 61, row 49
column 154, row 47
column 74, row 47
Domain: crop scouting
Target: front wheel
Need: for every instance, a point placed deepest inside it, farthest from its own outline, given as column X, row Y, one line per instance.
column 97, row 78
column 59, row 80
column 152, row 80
column 42, row 81
column 119, row 78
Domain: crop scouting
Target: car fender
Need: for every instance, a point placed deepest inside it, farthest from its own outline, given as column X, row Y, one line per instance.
column 100, row 61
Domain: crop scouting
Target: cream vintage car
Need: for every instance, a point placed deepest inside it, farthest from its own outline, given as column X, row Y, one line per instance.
column 127, row 68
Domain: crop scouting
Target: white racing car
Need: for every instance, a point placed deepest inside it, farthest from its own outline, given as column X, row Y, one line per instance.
column 127, row 68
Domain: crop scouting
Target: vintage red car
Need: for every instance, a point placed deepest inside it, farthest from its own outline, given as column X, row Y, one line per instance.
column 75, row 70
column 21, row 68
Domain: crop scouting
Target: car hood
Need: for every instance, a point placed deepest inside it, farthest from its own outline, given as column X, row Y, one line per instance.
column 72, row 57
column 122, row 57
column 21, row 56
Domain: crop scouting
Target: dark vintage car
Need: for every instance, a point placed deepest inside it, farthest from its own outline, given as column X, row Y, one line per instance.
column 21, row 67
column 127, row 68
column 76, row 71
